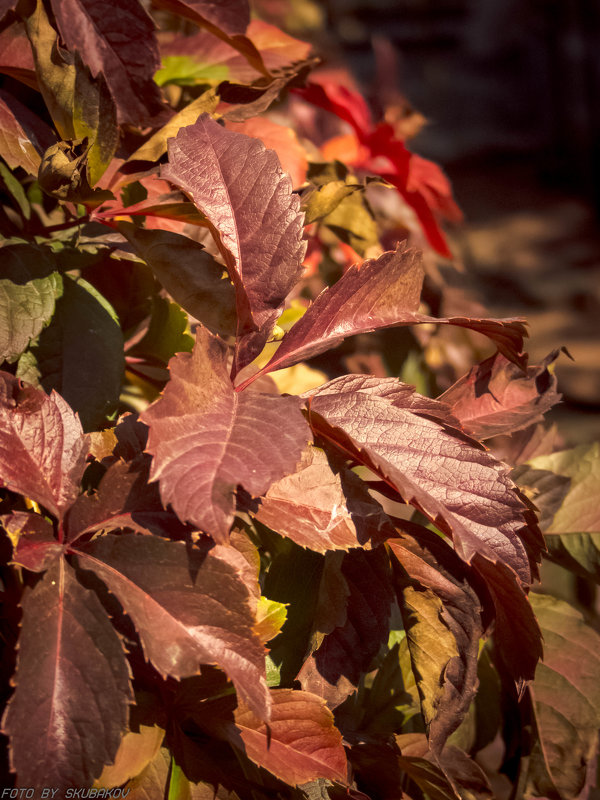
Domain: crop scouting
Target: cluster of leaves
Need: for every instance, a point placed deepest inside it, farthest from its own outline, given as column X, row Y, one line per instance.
column 223, row 574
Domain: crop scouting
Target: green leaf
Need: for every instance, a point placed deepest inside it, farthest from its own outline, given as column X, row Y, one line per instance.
column 94, row 117
column 29, row 289
column 270, row 616
column 352, row 221
column 15, row 189
column 167, row 333
column 566, row 701
column 187, row 71
column 80, row 354
column 565, row 487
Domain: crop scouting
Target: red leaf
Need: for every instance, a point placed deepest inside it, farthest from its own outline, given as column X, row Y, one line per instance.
column 346, row 652
column 42, row 446
column 124, row 499
column 95, row 29
column 379, row 293
column 24, row 137
column 433, row 466
column 206, row 438
column 240, row 187
column 16, row 57
column 72, row 696
column 517, row 633
column 323, row 506
column 496, row 397
column 189, row 608
column 301, row 742
column 231, row 16
column 36, row 546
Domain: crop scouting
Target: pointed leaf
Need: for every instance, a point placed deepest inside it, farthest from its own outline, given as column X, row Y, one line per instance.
column 34, row 543
column 83, row 322
column 565, row 487
column 206, row 438
column 124, row 499
column 240, row 187
column 433, row 466
column 72, row 693
column 496, row 397
column 300, row 744
column 42, row 447
column 188, row 608
column 380, row 293
column 189, row 274
column 347, row 650
column 442, row 619
column 29, row 288
column 23, row 135
column 16, row 57
column 128, row 63
column 156, row 145
column 323, row 506
column 566, row 701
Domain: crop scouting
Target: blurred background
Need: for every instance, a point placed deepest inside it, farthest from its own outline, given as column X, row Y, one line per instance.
column 510, row 93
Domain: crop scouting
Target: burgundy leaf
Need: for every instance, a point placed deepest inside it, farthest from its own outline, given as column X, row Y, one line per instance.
column 35, row 546
column 6, row 6
column 301, row 742
column 323, row 506
column 426, row 563
column 496, row 397
column 189, row 607
column 231, row 16
column 447, row 476
column 240, row 187
column 379, row 293
column 42, row 447
column 517, row 633
column 23, row 136
column 118, row 40
column 124, row 499
column 226, row 20
column 206, row 438
column 334, row 670
column 16, row 57
column 71, row 701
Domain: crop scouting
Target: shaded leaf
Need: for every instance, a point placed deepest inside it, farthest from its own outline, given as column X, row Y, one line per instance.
column 442, row 619
column 128, row 63
column 83, row 323
column 23, row 135
column 29, row 288
column 261, row 240
column 42, row 447
column 323, row 506
column 300, row 743
column 189, row 608
column 124, row 499
column 353, row 640
column 72, row 685
column 495, row 397
column 206, row 438
column 63, row 173
column 566, row 701
column 189, row 274
column 34, row 543
column 94, row 118
column 379, row 293
column 433, row 466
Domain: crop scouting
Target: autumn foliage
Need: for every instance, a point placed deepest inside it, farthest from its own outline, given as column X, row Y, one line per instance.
column 226, row 573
